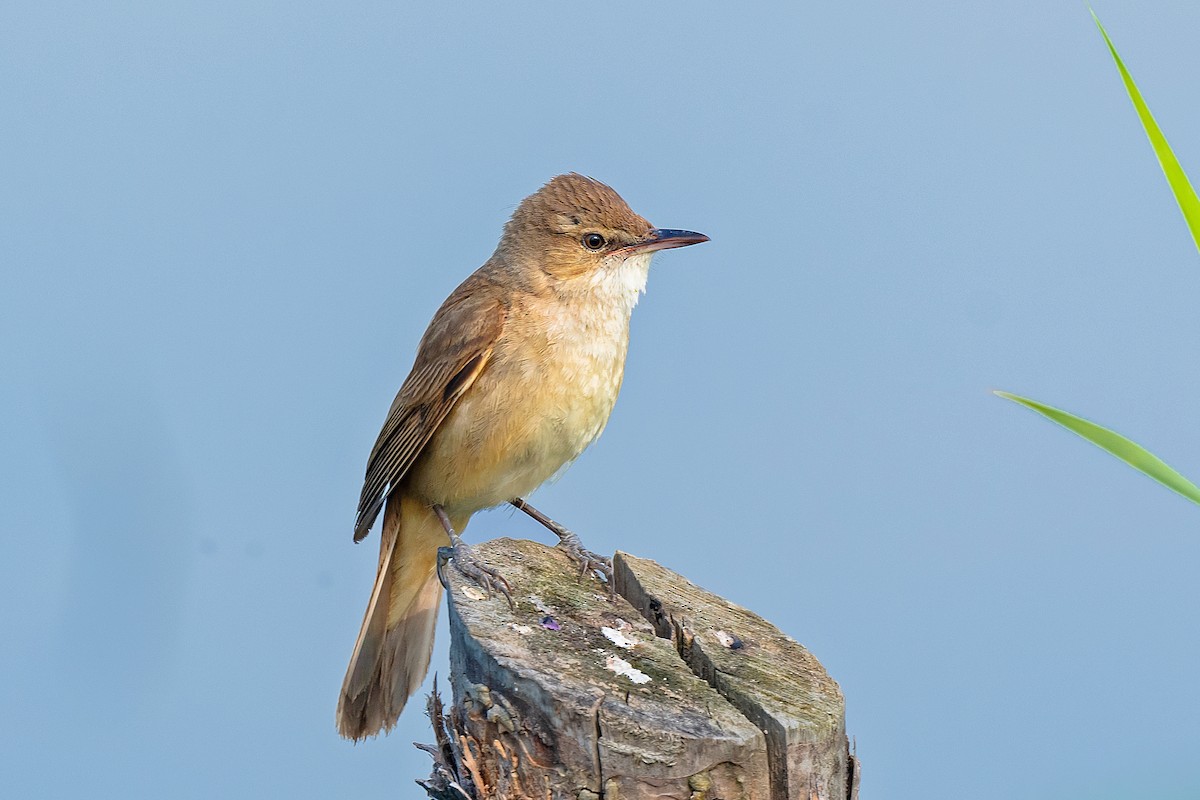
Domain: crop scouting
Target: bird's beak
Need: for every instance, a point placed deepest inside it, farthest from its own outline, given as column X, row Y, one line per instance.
column 665, row 239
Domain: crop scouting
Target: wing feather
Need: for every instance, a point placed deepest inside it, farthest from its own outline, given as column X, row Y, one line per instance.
column 453, row 352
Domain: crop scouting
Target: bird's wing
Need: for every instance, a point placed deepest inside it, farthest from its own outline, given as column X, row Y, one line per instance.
column 453, row 351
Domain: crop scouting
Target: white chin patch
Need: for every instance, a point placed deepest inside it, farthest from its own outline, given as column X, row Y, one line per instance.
column 625, row 279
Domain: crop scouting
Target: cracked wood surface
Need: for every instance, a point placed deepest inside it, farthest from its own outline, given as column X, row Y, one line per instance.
column 576, row 695
column 768, row 676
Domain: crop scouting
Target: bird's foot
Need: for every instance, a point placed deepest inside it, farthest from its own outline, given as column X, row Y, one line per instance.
column 570, row 542
column 588, row 561
column 468, row 563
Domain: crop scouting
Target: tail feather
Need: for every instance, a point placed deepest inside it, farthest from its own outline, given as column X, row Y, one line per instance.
column 395, row 643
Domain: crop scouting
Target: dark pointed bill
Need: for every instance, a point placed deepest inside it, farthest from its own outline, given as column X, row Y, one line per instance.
column 667, row 238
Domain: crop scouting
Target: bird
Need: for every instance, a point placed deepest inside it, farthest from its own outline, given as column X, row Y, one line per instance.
column 515, row 376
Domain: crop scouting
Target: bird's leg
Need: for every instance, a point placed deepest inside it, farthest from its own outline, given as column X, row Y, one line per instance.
column 466, row 562
column 569, row 541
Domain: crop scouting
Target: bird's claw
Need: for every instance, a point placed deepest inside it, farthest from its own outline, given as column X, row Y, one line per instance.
column 471, row 565
column 588, row 561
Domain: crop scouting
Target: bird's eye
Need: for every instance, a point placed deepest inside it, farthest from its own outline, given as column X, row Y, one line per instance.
column 593, row 241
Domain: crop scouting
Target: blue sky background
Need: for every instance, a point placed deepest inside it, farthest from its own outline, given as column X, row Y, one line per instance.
column 224, row 226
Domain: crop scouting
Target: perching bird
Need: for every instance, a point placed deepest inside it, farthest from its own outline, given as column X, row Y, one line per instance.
column 515, row 376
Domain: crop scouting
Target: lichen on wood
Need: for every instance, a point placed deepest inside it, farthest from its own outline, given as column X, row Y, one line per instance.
column 578, row 694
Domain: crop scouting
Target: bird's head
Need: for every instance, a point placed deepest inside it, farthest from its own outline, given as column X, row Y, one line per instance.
column 576, row 229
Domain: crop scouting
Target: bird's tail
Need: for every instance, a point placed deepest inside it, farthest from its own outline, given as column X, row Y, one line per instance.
column 392, row 653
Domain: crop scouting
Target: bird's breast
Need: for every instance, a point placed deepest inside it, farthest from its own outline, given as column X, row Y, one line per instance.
column 545, row 395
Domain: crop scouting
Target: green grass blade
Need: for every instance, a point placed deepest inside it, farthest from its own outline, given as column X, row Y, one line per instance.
column 1185, row 195
column 1131, row 453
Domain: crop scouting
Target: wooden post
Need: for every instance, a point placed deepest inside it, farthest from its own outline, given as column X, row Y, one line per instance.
column 663, row 692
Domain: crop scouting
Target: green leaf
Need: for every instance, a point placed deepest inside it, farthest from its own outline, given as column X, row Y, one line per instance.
column 1131, row 453
column 1185, row 195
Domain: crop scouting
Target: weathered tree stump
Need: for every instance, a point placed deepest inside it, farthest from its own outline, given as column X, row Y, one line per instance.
column 662, row 691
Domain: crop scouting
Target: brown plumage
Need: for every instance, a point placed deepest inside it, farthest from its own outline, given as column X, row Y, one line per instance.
column 515, row 376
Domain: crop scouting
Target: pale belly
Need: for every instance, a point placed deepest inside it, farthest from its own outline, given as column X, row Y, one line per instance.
column 522, row 421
